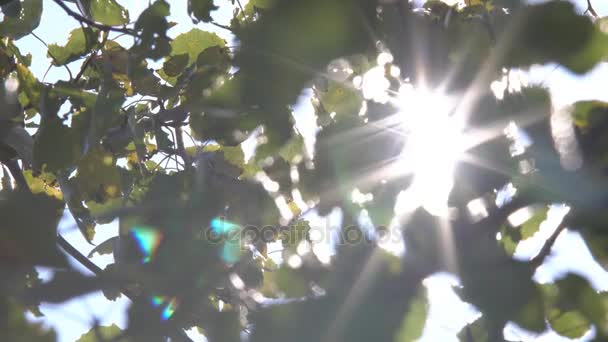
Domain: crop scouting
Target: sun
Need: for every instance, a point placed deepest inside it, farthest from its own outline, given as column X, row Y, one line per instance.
column 434, row 145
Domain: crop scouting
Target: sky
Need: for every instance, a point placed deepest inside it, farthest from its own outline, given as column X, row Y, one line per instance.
column 447, row 313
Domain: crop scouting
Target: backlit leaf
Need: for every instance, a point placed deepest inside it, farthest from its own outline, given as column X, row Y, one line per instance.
column 200, row 10
column 80, row 41
column 28, row 20
column 106, row 332
column 107, row 12
column 194, row 42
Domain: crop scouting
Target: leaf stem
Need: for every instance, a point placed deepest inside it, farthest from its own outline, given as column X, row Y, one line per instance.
column 179, row 139
column 51, row 55
column 13, row 167
column 546, row 249
column 225, row 27
column 590, row 9
column 92, row 23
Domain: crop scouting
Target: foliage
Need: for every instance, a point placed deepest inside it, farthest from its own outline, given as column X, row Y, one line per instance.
column 161, row 152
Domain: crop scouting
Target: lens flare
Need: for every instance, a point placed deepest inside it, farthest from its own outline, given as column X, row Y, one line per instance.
column 158, row 300
column 148, row 240
column 221, row 226
column 169, row 306
column 169, row 309
column 434, row 146
column 231, row 249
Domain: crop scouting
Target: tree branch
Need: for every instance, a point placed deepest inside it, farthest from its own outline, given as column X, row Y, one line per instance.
column 15, row 170
column 177, row 335
column 590, row 9
column 225, row 27
column 51, row 55
column 546, row 249
column 179, row 139
column 92, row 23
column 87, row 61
column 74, row 253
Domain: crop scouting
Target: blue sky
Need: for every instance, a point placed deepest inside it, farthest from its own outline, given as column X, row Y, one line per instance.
column 447, row 314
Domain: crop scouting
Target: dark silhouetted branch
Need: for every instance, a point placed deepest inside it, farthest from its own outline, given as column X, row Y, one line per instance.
column 92, row 23
column 591, row 10
column 546, row 249
column 13, row 167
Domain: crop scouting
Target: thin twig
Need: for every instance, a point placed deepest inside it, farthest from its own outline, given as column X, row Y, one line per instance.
column 177, row 334
column 93, row 23
column 179, row 139
column 52, row 57
column 546, row 249
column 225, row 27
column 243, row 11
column 13, row 167
column 87, row 61
column 591, row 10
column 74, row 253
column 84, row 67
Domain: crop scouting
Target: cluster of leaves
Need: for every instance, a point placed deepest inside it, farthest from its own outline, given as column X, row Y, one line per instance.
column 90, row 148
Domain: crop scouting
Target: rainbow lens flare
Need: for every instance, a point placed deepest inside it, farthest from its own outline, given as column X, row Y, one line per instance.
column 231, row 250
column 169, row 309
column 148, row 240
column 221, row 226
column 158, row 300
column 169, row 306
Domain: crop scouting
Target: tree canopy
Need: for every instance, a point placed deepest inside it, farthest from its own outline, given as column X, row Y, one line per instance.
column 194, row 146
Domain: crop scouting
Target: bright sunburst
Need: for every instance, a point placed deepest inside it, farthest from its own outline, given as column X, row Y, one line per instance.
column 434, row 145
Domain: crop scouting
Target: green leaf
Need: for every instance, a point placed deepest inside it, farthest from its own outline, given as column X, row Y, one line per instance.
column 102, row 212
column 571, row 324
column 175, row 65
column 56, row 147
column 28, row 229
column 530, row 227
column 17, row 328
column 575, row 292
column 474, row 332
column 341, row 99
column 566, row 38
column 153, row 26
column 105, row 332
column 293, row 150
column 588, row 114
column 106, row 247
column 98, row 178
column 509, row 239
column 591, row 117
column 199, row 10
column 28, row 20
column 194, row 42
column 532, row 314
column 42, row 183
column 29, row 85
column 107, row 12
column 80, row 42
column 414, row 320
